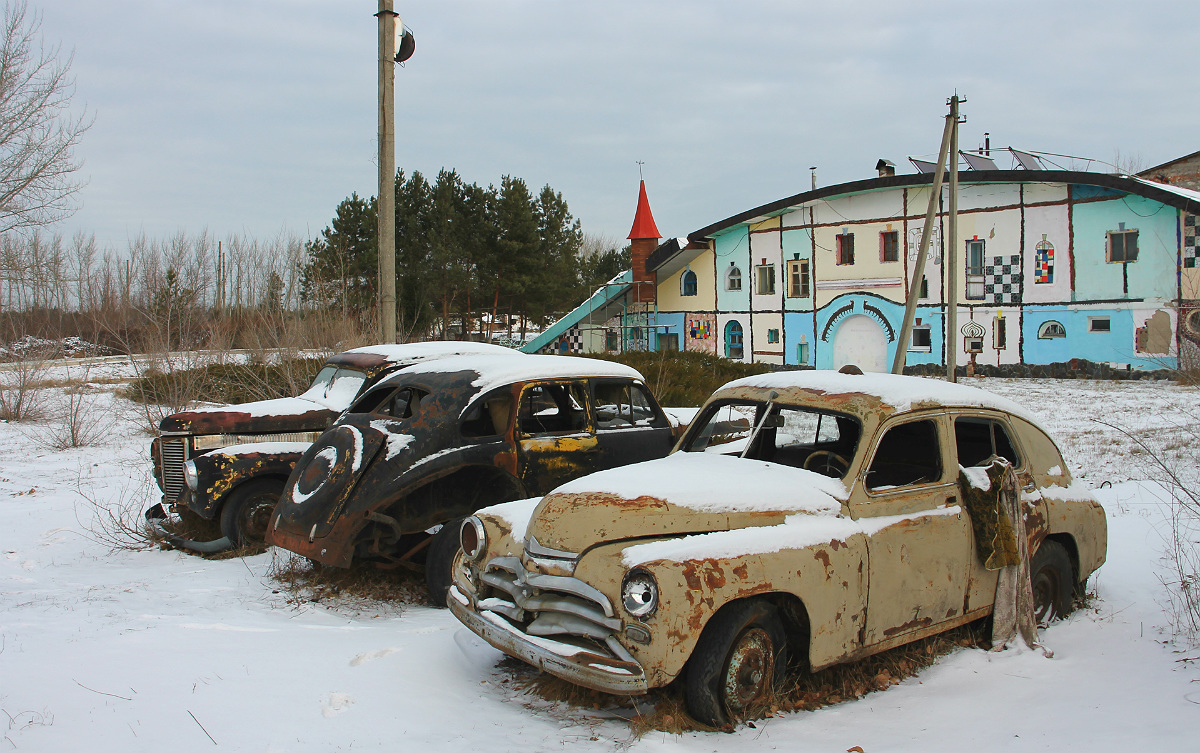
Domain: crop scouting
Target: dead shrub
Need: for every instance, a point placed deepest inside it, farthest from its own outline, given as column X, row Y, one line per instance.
column 21, row 382
column 117, row 523
column 76, row 419
column 306, row 581
column 664, row 710
column 684, row 378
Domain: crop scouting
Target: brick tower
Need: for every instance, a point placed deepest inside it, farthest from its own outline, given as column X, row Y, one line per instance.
column 644, row 239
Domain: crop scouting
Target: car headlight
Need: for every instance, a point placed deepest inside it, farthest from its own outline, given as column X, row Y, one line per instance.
column 639, row 593
column 473, row 538
column 190, row 476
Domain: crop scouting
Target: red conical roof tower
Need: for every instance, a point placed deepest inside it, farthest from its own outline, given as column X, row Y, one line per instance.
column 644, row 235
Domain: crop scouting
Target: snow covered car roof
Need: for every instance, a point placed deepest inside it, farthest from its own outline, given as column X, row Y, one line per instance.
column 420, row 351
column 501, row 370
column 886, row 393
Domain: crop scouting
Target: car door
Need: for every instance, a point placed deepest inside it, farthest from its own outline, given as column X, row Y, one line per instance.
column 977, row 438
column 919, row 545
column 629, row 425
column 556, row 438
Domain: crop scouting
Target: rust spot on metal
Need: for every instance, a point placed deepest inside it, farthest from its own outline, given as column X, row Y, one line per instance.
column 822, row 556
column 837, row 544
column 913, row 624
column 741, row 571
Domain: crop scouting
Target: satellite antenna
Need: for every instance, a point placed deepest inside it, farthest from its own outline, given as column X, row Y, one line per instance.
column 405, row 44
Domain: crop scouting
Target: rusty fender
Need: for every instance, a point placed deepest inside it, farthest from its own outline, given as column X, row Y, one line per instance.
column 827, row 578
column 219, row 473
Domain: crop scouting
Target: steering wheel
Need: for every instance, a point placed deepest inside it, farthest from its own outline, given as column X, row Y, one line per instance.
column 827, row 463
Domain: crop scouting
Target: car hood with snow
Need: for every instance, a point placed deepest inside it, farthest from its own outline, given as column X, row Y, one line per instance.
column 804, row 514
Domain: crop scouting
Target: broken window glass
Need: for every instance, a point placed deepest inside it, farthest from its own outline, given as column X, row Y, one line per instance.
column 907, row 454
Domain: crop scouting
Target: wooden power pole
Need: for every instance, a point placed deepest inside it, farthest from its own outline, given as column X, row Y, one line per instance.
column 386, row 204
column 918, row 272
column 951, row 252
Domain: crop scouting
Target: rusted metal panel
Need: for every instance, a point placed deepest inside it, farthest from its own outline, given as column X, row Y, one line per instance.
column 415, row 472
column 219, row 473
column 906, row 566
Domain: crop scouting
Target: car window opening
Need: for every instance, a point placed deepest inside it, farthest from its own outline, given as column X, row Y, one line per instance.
column 488, row 417
column 790, row 435
column 978, row 439
column 552, row 409
column 907, row 454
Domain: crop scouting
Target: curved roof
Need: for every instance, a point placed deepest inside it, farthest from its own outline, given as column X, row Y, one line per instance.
column 1170, row 195
column 496, row 371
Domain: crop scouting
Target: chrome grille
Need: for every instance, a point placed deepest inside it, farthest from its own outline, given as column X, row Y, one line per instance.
column 552, row 605
column 174, row 453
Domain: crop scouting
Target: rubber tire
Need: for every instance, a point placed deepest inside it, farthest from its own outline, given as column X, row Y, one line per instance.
column 1053, row 580
column 705, row 678
column 248, row 509
column 439, row 561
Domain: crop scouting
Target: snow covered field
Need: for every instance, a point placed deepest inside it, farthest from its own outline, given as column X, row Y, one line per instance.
column 157, row 650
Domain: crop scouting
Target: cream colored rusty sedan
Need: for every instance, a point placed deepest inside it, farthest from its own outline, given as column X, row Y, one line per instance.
column 804, row 519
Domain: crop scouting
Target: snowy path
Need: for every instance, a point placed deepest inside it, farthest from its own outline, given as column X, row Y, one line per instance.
column 152, row 650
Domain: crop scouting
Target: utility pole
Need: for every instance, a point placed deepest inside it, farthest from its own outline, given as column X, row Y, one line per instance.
column 386, row 204
column 918, row 273
column 951, row 252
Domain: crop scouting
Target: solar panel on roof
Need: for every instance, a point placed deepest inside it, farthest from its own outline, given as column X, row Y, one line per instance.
column 978, row 161
column 923, row 166
column 1026, row 160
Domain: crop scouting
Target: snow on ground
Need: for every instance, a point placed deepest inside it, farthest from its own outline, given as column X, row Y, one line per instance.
column 155, row 650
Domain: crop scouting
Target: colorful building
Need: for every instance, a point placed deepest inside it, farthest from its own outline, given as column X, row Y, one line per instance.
column 1053, row 265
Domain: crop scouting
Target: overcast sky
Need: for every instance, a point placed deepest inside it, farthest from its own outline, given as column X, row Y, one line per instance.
column 259, row 117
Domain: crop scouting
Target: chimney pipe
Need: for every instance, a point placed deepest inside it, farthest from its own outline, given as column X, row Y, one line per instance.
column 987, row 144
column 813, row 169
column 885, row 167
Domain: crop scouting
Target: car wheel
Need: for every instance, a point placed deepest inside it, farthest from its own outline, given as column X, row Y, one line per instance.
column 440, row 560
column 247, row 511
column 739, row 659
column 1052, row 578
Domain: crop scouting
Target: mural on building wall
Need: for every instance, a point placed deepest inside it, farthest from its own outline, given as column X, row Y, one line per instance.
column 1189, row 241
column 701, row 333
column 1043, row 262
column 1155, row 337
column 1002, row 281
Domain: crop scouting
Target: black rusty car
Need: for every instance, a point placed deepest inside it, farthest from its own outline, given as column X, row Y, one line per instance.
column 438, row 441
column 231, row 462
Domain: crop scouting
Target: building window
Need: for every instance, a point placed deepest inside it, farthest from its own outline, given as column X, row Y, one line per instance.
column 772, row 335
column 845, row 248
column 798, row 278
column 999, row 334
column 1051, row 330
column 1099, row 324
column 1043, row 262
column 667, row 341
column 922, row 340
column 610, row 340
column 733, row 339
column 764, row 277
column 1122, row 246
column 733, row 278
column 687, row 283
column 924, row 287
column 974, row 270
column 802, row 354
column 889, row 246
column 1193, row 321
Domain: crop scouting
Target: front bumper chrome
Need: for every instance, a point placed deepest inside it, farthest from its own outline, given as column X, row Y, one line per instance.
column 576, row 664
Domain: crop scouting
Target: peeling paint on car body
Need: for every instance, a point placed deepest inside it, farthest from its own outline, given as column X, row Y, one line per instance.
column 455, row 457
column 214, row 438
column 853, row 573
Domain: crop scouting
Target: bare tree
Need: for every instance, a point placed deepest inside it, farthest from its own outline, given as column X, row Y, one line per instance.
column 38, row 132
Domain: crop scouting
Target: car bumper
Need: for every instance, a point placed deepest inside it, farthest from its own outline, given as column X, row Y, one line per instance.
column 572, row 663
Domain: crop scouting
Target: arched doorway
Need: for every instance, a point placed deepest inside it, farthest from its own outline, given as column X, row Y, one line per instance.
column 860, row 341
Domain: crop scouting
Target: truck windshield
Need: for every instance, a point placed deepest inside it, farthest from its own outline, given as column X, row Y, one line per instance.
column 335, row 387
column 791, row 435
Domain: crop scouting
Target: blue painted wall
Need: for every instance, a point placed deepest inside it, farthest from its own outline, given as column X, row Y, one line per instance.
column 1151, row 276
column 796, row 324
column 670, row 323
column 733, row 247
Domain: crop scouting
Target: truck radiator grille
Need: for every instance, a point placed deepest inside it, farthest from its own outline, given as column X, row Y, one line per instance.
column 174, row 453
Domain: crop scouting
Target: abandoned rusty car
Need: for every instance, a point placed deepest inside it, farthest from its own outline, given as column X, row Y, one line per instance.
column 438, row 441
column 805, row 519
column 231, row 462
